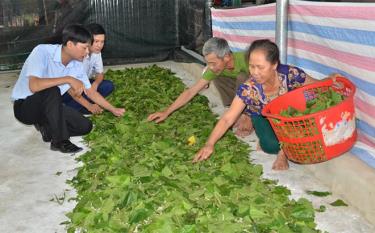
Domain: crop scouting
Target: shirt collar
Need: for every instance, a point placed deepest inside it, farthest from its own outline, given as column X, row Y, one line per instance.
column 57, row 57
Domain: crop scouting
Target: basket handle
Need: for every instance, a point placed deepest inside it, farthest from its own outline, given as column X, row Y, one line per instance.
column 341, row 82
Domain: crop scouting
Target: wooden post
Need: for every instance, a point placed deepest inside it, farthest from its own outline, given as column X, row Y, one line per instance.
column 45, row 12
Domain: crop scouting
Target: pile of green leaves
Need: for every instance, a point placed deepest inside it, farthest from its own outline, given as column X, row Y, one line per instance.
column 323, row 101
column 138, row 176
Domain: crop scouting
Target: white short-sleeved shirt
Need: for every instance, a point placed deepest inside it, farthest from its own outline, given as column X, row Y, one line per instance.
column 93, row 64
column 45, row 62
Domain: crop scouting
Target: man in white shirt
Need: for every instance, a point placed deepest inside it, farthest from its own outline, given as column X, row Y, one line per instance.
column 93, row 65
column 48, row 72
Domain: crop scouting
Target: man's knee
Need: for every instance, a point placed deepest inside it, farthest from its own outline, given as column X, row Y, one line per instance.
column 51, row 94
column 52, row 91
column 106, row 87
column 226, row 89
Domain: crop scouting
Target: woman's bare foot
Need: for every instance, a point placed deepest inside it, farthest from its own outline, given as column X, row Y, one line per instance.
column 281, row 162
column 243, row 126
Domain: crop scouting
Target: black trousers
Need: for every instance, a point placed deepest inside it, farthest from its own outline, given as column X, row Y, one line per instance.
column 46, row 108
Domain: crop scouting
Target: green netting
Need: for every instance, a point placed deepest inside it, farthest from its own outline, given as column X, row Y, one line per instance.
column 137, row 31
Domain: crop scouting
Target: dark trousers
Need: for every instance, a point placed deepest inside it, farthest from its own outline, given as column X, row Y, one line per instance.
column 227, row 87
column 105, row 88
column 267, row 138
column 46, row 108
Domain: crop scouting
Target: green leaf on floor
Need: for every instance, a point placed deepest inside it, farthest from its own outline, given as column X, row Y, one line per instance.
column 338, row 202
column 321, row 208
column 318, row 193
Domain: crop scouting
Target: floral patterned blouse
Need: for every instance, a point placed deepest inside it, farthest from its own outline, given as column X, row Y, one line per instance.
column 251, row 92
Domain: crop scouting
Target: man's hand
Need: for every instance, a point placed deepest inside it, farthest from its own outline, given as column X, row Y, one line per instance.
column 118, row 112
column 158, row 117
column 203, row 153
column 95, row 109
column 77, row 86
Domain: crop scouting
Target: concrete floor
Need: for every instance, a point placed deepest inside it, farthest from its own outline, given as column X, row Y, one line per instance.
column 32, row 177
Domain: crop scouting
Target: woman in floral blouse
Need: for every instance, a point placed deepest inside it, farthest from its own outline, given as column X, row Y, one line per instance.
column 268, row 80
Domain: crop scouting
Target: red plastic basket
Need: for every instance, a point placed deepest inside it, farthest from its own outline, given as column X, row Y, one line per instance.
column 319, row 136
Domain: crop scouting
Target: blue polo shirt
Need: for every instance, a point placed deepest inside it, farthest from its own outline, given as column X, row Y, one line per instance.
column 45, row 62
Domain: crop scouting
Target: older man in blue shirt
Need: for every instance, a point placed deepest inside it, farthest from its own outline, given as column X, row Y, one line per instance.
column 49, row 72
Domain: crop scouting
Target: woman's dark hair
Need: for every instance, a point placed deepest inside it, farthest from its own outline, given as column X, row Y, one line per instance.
column 270, row 48
column 76, row 33
column 95, row 29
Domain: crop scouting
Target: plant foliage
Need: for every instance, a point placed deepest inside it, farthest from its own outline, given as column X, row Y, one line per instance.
column 323, row 101
column 138, row 175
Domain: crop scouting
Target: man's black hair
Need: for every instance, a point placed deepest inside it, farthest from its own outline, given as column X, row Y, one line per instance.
column 76, row 33
column 95, row 29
